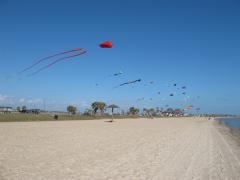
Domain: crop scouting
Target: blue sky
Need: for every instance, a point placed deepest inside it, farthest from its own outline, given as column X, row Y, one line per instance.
column 191, row 43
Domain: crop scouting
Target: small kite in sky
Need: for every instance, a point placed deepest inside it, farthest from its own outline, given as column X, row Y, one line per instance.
column 189, row 107
column 171, row 94
column 130, row 82
column 151, row 82
column 117, row 74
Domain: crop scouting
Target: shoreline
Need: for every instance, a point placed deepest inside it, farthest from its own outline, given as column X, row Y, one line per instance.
column 232, row 133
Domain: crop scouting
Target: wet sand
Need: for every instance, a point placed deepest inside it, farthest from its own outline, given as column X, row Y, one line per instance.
column 168, row 148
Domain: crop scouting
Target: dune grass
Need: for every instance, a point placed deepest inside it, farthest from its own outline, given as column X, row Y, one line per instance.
column 18, row 117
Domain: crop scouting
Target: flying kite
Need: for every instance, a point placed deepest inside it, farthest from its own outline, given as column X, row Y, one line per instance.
column 184, row 93
column 130, row 82
column 184, row 87
column 69, row 54
column 117, row 74
column 171, row 94
column 61, row 56
column 106, row 44
column 150, row 82
column 174, row 84
column 189, row 107
column 159, row 93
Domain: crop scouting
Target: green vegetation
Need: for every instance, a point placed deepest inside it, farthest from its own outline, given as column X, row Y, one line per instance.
column 72, row 110
column 22, row 109
column 20, row 117
column 99, row 106
column 133, row 111
column 24, row 117
column 97, row 111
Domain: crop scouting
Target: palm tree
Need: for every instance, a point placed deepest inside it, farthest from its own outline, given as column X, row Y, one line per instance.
column 95, row 107
column 71, row 109
column 148, row 112
column 24, row 109
column 98, row 106
column 133, row 111
column 102, row 107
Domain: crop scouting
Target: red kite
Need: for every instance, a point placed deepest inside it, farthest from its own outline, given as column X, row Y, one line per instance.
column 106, row 44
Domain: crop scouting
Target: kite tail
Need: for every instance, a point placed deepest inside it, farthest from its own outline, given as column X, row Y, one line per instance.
column 56, row 61
column 48, row 57
column 120, row 85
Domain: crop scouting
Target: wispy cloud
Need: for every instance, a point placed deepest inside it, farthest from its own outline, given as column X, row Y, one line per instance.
column 16, row 101
column 3, row 98
column 6, row 100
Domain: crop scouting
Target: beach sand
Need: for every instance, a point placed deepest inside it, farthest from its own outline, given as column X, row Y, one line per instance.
column 167, row 148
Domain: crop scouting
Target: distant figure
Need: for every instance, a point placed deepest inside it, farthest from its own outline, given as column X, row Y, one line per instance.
column 56, row 117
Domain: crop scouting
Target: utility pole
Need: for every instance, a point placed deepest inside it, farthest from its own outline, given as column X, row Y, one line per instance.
column 44, row 105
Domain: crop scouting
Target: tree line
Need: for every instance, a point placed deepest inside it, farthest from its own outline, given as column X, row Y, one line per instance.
column 99, row 108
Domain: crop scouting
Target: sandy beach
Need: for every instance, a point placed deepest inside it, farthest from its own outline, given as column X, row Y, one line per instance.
column 168, row 148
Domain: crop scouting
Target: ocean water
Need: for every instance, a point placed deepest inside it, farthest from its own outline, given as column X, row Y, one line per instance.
column 231, row 122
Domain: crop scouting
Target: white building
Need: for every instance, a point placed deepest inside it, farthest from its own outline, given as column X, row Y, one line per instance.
column 6, row 109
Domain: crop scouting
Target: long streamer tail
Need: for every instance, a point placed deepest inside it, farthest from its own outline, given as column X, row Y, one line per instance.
column 48, row 57
column 56, row 61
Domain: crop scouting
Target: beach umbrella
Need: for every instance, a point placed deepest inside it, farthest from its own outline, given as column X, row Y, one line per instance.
column 112, row 106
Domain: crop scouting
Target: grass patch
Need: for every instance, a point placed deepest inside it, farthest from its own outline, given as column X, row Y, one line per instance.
column 18, row 117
